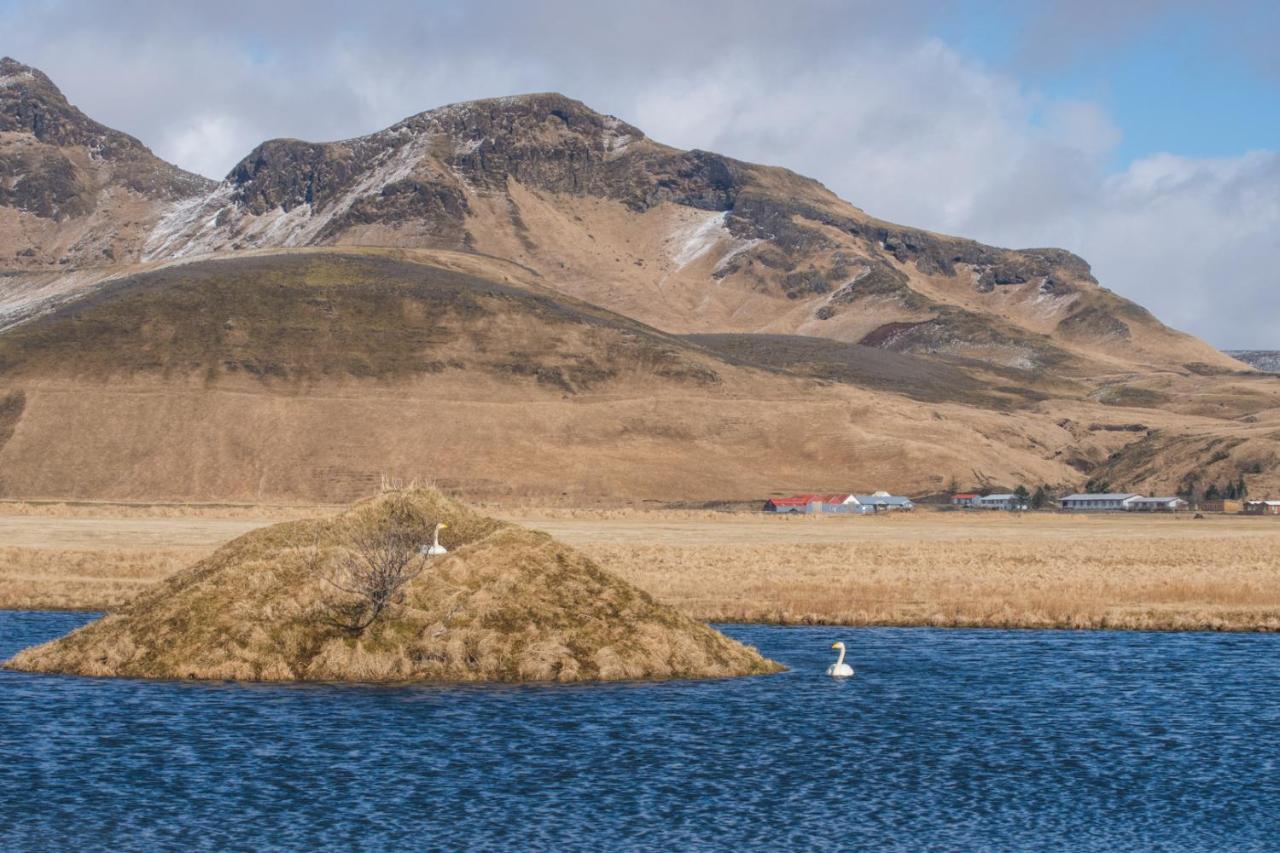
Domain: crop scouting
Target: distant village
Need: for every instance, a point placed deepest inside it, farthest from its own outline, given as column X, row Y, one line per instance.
column 1020, row 500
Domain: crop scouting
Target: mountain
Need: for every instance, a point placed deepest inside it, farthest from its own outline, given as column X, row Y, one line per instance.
column 688, row 241
column 521, row 296
column 1267, row 360
column 73, row 192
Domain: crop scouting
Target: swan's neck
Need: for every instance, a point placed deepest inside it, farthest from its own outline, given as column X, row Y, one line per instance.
column 436, row 540
column 840, row 662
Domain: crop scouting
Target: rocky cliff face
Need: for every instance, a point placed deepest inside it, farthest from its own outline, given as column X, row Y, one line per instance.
column 468, row 176
column 71, row 189
column 424, row 171
column 1264, row 360
column 726, row 246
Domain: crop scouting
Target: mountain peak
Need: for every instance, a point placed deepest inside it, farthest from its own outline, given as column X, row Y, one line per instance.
column 19, row 82
column 57, row 164
column 12, row 68
column 521, row 114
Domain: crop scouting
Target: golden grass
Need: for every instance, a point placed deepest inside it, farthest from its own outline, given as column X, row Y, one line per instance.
column 506, row 604
column 128, row 509
column 926, row 568
column 58, row 579
column 1042, row 572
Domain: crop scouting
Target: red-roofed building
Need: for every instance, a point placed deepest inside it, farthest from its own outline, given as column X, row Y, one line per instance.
column 812, row 503
column 965, row 499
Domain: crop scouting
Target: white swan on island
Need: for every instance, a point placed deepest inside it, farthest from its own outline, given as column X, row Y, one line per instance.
column 839, row 669
column 436, row 549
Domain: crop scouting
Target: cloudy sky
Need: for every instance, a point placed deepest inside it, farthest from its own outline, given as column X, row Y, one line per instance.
column 1143, row 135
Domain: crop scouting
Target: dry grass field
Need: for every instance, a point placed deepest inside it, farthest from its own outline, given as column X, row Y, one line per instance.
column 928, row 568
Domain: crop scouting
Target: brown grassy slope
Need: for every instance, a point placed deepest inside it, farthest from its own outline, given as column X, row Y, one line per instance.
column 682, row 240
column 298, row 317
column 506, row 604
column 687, row 241
column 307, row 375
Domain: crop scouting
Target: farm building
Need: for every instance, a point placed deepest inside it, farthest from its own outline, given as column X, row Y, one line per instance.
column 965, row 499
column 1005, row 502
column 882, row 502
column 841, row 503
column 1156, row 505
column 1262, row 507
column 1221, row 506
column 811, row 503
column 1097, row 502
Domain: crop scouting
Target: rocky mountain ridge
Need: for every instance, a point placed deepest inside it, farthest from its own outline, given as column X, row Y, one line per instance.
column 1265, row 360
column 736, row 295
column 73, row 192
column 564, row 190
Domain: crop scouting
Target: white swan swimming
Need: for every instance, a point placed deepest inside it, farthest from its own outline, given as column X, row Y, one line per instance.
column 436, row 548
column 839, row 669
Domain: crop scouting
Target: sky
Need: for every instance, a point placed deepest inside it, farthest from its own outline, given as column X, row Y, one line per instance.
column 1142, row 135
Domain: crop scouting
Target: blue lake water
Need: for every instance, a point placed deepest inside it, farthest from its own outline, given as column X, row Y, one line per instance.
column 944, row 739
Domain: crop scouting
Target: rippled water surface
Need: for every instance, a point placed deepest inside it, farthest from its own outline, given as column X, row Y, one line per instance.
column 945, row 739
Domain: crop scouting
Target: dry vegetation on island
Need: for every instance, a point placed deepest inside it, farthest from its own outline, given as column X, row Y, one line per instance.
column 347, row 598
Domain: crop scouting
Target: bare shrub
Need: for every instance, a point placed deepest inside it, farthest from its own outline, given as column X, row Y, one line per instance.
column 379, row 558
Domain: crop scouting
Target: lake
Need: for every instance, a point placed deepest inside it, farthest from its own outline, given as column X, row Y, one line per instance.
column 944, row 738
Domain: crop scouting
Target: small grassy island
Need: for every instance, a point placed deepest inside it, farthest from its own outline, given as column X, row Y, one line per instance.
column 352, row 598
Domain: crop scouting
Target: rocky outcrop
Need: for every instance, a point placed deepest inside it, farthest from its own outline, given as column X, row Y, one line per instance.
column 32, row 106
column 1264, row 360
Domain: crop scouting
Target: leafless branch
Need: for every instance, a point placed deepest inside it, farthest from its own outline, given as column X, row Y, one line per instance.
column 373, row 570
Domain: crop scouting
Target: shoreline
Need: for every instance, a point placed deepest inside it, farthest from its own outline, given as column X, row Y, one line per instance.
column 819, row 622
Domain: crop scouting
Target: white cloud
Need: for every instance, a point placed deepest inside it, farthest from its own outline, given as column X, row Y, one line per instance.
column 204, row 144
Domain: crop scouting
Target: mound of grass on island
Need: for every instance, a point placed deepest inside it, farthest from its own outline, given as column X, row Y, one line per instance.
column 349, row 598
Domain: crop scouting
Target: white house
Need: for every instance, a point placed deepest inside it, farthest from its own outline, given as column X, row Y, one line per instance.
column 881, row 502
column 1156, row 505
column 1262, row 507
column 1097, row 502
column 1006, row 502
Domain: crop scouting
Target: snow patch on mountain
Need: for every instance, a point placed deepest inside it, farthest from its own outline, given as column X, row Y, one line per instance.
column 214, row 221
column 694, row 239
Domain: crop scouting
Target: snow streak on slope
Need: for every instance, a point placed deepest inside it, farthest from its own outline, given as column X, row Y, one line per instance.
column 695, row 239
column 206, row 224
